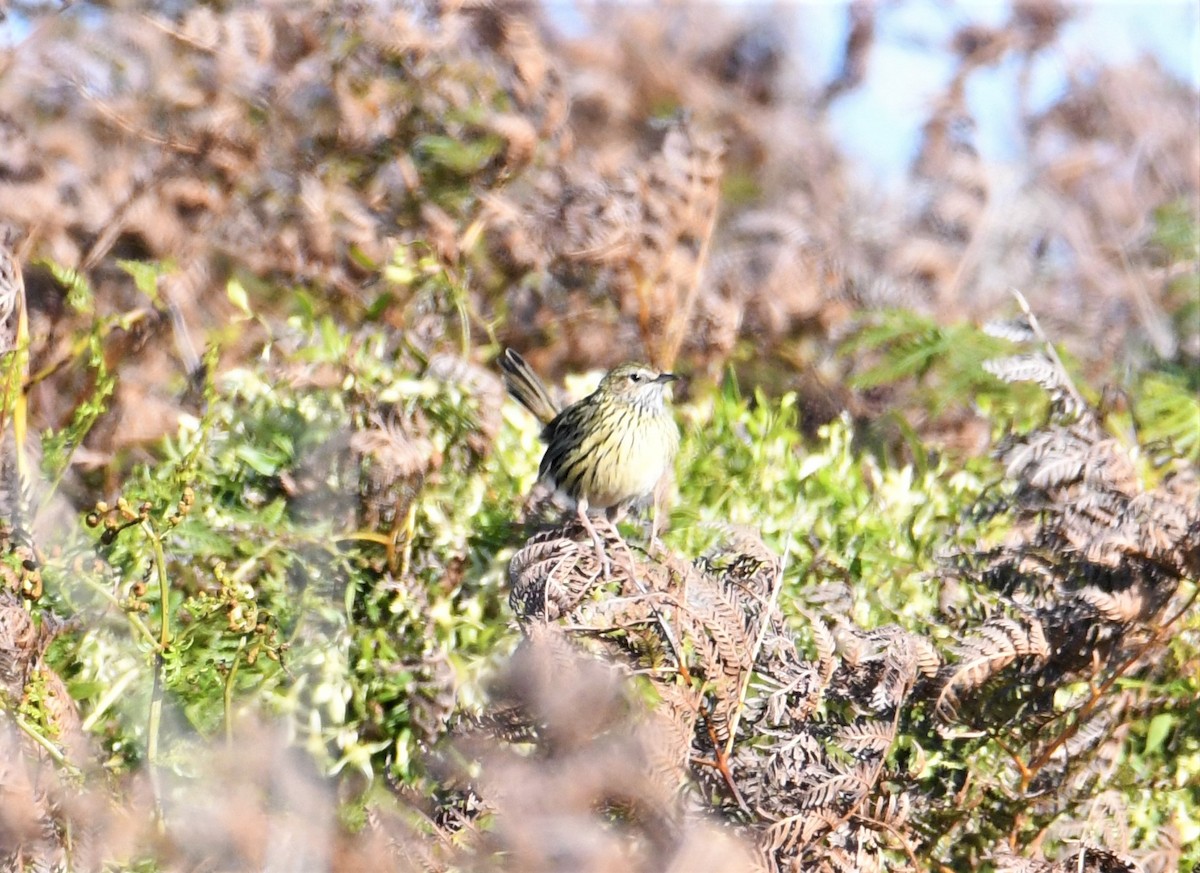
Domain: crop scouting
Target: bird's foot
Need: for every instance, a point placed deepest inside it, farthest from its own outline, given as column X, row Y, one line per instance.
column 602, row 558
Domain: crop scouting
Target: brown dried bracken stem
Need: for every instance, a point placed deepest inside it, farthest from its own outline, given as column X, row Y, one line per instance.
column 767, row 614
column 1051, row 352
column 904, row 844
column 874, row 780
column 680, row 317
column 1097, row 695
column 668, row 632
column 720, row 763
column 129, row 126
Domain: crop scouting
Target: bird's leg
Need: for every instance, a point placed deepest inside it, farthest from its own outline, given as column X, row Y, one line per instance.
column 611, row 515
column 658, row 500
column 597, row 541
column 653, row 526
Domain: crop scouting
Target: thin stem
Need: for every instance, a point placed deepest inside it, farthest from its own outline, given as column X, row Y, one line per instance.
column 154, row 723
column 768, row 611
column 677, row 325
column 229, row 685
column 114, row 693
column 244, row 568
column 164, row 587
column 904, row 844
column 721, row 762
column 134, row 619
column 55, row 753
column 1051, row 352
column 874, row 780
column 668, row 632
column 1098, row 692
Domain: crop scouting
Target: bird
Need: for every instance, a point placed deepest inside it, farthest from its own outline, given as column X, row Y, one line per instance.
column 12, row 293
column 611, row 449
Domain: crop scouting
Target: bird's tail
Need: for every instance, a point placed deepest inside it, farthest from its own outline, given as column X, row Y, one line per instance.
column 525, row 386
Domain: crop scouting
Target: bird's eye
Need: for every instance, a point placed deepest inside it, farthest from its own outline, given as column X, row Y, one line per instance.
column 635, row 377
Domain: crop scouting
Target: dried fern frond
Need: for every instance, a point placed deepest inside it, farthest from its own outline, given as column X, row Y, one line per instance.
column 1085, row 861
column 1027, row 368
column 993, row 647
column 1015, row 330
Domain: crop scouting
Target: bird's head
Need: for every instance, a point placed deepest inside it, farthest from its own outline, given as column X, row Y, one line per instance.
column 637, row 383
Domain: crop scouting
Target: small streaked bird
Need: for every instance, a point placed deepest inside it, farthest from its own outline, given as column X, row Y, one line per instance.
column 610, row 449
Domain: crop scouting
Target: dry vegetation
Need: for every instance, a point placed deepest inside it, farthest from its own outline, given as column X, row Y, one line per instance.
column 259, row 483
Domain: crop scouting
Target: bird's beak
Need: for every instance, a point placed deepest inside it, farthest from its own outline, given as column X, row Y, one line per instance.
column 667, row 377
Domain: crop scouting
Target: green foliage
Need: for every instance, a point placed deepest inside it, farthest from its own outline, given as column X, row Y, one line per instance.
column 263, row 560
column 272, row 598
column 145, row 277
column 234, row 574
column 459, row 158
column 1167, row 410
column 944, row 364
column 58, row 445
column 1176, row 231
column 841, row 515
column 946, row 369
column 80, row 296
column 1161, row 760
column 1176, row 243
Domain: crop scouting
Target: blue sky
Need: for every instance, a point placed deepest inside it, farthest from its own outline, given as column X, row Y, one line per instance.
column 909, row 67
column 879, row 122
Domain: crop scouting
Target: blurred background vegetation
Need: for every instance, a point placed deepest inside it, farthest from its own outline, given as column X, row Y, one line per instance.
column 261, row 487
